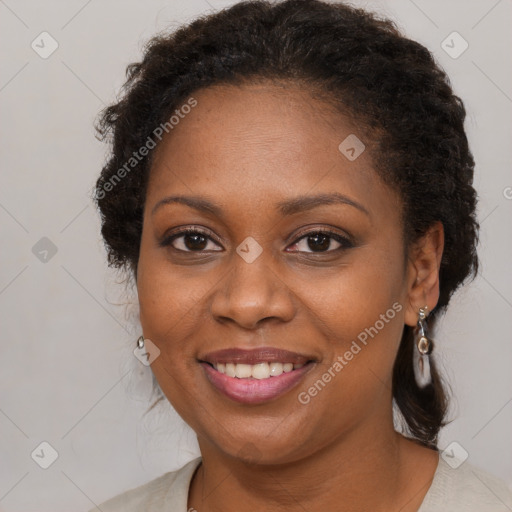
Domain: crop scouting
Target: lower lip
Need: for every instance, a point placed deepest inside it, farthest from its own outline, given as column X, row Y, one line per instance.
column 254, row 391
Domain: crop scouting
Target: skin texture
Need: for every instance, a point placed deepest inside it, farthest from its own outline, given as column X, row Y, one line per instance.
column 246, row 149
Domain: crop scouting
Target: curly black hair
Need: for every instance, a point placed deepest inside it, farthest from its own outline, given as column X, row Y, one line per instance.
column 390, row 85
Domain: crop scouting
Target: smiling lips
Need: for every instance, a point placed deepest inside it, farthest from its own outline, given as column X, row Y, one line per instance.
column 255, row 376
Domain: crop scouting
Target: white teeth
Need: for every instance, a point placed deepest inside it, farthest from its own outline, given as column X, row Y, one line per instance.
column 243, row 371
column 261, row 371
column 256, row 371
column 276, row 369
column 230, row 369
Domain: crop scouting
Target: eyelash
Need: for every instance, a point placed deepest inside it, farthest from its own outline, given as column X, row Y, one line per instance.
column 345, row 242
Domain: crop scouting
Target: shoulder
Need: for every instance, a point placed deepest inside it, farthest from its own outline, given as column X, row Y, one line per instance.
column 167, row 492
column 466, row 488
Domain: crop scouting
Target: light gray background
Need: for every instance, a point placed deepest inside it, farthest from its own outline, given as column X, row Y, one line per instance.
column 68, row 328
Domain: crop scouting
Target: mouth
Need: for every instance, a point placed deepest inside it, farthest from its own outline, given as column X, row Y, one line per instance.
column 255, row 376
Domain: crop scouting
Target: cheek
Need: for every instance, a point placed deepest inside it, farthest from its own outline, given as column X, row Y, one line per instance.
column 359, row 317
column 169, row 311
column 356, row 295
column 359, row 310
column 170, row 299
column 163, row 317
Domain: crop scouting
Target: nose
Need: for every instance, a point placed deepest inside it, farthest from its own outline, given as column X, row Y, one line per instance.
column 251, row 293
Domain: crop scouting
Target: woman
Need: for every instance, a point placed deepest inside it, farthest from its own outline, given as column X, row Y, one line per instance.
column 291, row 188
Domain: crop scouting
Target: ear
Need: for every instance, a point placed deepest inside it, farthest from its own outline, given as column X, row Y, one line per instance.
column 424, row 261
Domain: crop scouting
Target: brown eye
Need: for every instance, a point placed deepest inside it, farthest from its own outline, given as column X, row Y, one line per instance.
column 190, row 240
column 321, row 242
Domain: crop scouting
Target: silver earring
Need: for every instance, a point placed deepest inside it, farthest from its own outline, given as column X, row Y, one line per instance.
column 424, row 346
column 140, row 342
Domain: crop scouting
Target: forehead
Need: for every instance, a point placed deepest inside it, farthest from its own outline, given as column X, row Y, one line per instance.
column 262, row 142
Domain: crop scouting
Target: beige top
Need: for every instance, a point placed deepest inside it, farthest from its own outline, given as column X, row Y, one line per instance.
column 465, row 489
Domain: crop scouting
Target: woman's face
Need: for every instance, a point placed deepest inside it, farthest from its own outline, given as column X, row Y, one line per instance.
column 253, row 279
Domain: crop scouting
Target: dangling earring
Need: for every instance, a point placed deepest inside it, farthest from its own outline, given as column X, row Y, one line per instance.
column 424, row 346
column 140, row 342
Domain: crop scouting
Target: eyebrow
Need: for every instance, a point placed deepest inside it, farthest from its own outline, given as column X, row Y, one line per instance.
column 286, row 208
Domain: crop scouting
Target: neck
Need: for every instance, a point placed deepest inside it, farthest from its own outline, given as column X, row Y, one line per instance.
column 366, row 469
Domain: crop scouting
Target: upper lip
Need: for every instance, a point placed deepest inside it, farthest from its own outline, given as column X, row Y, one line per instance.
column 254, row 356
